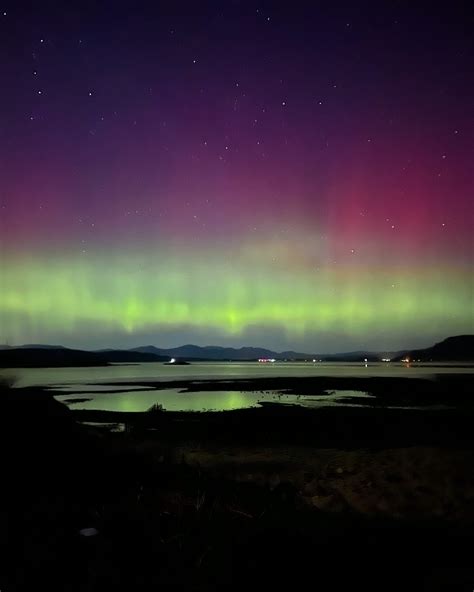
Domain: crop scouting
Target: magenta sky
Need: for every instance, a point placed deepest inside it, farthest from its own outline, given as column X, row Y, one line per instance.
column 279, row 139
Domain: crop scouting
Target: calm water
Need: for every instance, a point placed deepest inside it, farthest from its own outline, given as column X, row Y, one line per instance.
column 222, row 371
column 96, row 384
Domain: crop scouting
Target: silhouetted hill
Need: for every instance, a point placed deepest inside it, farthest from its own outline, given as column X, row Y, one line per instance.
column 453, row 349
column 41, row 346
column 48, row 357
column 214, row 352
column 44, row 357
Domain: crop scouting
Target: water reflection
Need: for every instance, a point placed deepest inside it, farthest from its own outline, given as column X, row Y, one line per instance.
column 176, row 400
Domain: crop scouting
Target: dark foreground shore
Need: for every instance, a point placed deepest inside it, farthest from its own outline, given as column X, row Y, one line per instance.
column 280, row 497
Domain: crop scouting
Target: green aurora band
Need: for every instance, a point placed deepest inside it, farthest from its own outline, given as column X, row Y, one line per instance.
column 134, row 293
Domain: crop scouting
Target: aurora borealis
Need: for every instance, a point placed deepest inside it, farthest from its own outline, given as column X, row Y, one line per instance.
column 241, row 173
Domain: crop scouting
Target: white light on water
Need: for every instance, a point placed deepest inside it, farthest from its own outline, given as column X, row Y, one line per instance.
column 88, row 532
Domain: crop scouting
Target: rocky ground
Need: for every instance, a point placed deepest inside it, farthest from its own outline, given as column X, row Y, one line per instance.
column 405, row 483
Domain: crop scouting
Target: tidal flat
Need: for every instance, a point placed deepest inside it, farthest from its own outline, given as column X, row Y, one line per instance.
column 203, row 500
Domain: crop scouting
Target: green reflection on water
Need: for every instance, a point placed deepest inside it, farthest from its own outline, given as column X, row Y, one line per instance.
column 175, row 400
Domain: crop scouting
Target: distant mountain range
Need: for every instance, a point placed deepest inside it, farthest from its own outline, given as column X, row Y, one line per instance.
column 150, row 353
column 458, row 348
column 214, row 352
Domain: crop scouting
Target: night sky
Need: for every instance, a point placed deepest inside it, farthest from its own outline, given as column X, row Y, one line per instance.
column 236, row 173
